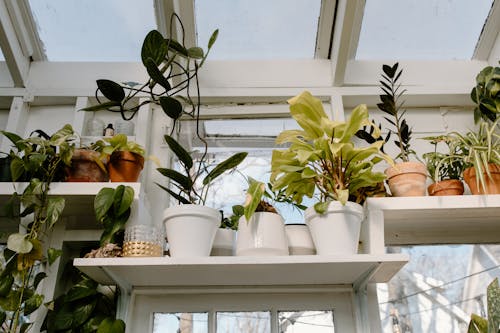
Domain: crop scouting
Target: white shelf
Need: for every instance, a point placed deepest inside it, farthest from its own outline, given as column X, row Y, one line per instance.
column 237, row 271
column 445, row 219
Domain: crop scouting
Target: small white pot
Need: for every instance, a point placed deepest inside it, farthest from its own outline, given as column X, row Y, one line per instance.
column 190, row 229
column 264, row 235
column 224, row 242
column 337, row 231
column 299, row 239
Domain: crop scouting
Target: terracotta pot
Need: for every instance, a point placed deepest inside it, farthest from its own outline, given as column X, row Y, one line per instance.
column 407, row 179
column 492, row 184
column 446, row 187
column 84, row 167
column 125, row 166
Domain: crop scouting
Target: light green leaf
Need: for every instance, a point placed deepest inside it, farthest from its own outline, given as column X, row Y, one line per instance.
column 308, row 112
column 103, row 202
column 225, row 165
column 321, row 207
column 33, row 303
column 53, row 254
column 110, row 325
column 19, row 243
column 6, row 282
column 255, row 192
column 55, row 207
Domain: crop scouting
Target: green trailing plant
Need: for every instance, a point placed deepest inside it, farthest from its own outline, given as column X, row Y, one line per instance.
column 118, row 142
column 43, row 157
column 231, row 222
column 491, row 324
column 85, row 307
column 390, row 103
column 479, row 148
column 112, row 209
column 443, row 166
column 322, row 157
column 191, row 184
column 486, row 94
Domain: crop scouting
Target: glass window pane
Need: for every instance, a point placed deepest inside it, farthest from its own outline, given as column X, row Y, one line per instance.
column 421, row 29
column 244, row 322
column 2, row 58
column 105, row 30
column 259, row 29
column 306, row 322
column 439, row 288
column 180, row 322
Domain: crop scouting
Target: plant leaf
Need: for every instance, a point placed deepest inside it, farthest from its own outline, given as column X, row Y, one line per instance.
column 82, row 311
column 6, row 284
column 156, row 74
column 33, row 303
column 195, row 52
column 82, row 289
column 53, row 254
column 38, row 278
column 175, row 195
column 228, row 164
column 55, row 207
column 103, row 202
column 184, row 181
column 179, row 151
column 102, row 106
column 255, row 192
column 213, row 38
column 176, row 47
column 19, row 243
column 123, row 198
column 110, row 325
column 493, row 292
column 111, row 90
column 171, row 107
column 154, row 47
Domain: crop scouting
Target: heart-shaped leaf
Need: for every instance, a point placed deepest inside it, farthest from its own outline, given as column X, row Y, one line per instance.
column 171, row 106
column 19, row 243
column 154, row 47
column 111, row 90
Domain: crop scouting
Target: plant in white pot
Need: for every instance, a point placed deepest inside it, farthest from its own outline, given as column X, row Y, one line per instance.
column 191, row 226
column 322, row 160
column 225, row 238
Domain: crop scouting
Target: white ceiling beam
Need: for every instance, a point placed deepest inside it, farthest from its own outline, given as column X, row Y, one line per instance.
column 325, row 29
column 185, row 10
column 163, row 11
column 345, row 38
column 16, row 60
column 489, row 34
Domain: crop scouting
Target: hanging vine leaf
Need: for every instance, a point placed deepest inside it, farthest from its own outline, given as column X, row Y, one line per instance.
column 111, row 90
column 195, row 52
column 53, row 254
column 55, row 207
column 156, row 74
column 171, row 106
column 179, row 178
column 179, row 151
column 177, row 197
column 5, row 285
column 19, row 243
column 177, row 47
column 110, row 325
column 154, row 47
column 33, row 303
column 102, row 106
column 228, row 164
column 213, row 38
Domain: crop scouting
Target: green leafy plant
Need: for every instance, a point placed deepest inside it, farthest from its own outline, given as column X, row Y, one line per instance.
column 112, row 210
column 479, row 148
column 486, row 94
column 491, row 324
column 442, row 166
column 392, row 105
column 118, row 142
column 322, row 156
column 85, row 307
column 231, row 222
column 188, row 185
column 43, row 158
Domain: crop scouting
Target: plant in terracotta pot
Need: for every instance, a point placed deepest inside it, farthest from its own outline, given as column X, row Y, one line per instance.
column 126, row 158
column 191, row 226
column 480, row 151
column 445, row 169
column 322, row 161
column 87, row 165
column 406, row 178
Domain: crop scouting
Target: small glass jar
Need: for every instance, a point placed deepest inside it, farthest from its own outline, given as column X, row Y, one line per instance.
column 143, row 241
column 124, row 127
column 95, row 127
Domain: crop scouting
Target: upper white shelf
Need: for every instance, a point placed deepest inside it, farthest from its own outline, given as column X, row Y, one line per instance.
column 441, row 219
column 237, row 271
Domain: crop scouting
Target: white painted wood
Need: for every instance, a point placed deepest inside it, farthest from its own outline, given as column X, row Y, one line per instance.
column 489, row 34
column 325, row 28
column 438, row 220
column 16, row 122
column 495, row 52
column 230, row 271
column 80, row 118
column 143, row 132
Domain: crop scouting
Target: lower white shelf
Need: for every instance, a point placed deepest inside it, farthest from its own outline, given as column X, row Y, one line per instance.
column 239, row 271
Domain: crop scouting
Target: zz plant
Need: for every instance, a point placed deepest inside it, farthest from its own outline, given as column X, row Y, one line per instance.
column 491, row 324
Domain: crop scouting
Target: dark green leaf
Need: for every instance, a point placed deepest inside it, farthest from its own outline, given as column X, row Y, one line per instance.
column 6, row 284
column 213, row 38
column 3, row 316
column 123, row 198
column 110, row 325
column 111, row 90
column 179, row 151
column 178, row 197
column 154, row 47
column 176, row 47
column 15, row 139
column 477, row 324
column 103, row 202
column 63, row 320
column 91, row 325
column 33, row 303
column 195, row 52
column 38, row 278
column 55, row 207
column 156, row 74
column 102, row 106
column 184, row 181
column 25, row 327
column 228, row 164
column 171, row 106
column 17, row 168
column 11, row 302
column 82, row 311
column 83, row 289
column 53, row 254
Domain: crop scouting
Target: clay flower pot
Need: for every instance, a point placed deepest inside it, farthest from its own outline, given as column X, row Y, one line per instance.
column 407, row 179
column 446, row 187
column 84, row 167
column 125, row 166
column 492, row 184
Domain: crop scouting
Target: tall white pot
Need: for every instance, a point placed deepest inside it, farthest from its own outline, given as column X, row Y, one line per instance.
column 190, row 229
column 337, row 231
column 263, row 235
column 224, row 242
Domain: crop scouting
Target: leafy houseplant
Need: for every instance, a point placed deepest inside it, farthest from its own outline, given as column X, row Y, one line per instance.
column 406, row 178
column 486, row 94
column 445, row 169
column 44, row 158
column 491, row 324
column 322, row 159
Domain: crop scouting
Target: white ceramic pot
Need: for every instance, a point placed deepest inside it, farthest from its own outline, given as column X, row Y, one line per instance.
column 337, row 231
column 264, row 235
column 190, row 229
column 224, row 242
column 299, row 239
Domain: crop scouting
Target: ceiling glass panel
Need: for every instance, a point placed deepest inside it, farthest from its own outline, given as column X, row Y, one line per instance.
column 93, row 30
column 421, row 29
column 258, row 29
column 2, row 58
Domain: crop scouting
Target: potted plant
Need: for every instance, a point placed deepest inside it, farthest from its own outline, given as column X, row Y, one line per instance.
column 491, row 324
column 480, row 151
column 43, row 159
column 406, row 178
column 445, row 169
column 126, row 158
column 191, row 226
column 261, row 229
column 225, row 237
column 323, row 161
column 486, row 94
column 87, row 165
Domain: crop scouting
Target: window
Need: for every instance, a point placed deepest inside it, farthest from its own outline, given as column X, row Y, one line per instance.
column 258, row 29
column 421, row 29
